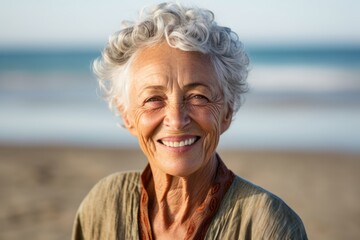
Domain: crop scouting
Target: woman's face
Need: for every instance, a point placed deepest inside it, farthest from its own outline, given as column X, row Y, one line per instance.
column 176, row 109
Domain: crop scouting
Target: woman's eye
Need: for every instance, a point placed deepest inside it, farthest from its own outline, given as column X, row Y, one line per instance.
column 199, row 97
column 153, row 99
column 154, row 102
column 198, row 100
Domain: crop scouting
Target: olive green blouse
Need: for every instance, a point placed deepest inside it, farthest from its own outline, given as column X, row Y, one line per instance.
column 111, row 209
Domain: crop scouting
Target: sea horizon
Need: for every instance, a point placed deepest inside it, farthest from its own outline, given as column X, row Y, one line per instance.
column 303, row 98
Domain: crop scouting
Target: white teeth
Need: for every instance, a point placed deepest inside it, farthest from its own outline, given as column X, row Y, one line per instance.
column 187, row 142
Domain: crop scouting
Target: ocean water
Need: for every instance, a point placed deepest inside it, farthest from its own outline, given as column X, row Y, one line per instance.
column 299, row 99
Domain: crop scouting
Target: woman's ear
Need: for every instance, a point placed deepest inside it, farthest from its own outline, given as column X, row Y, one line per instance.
column 127, row 120
column 227, row 118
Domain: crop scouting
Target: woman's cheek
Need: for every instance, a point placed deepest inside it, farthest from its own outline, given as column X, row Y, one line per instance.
column 211, row 117
column 147, row 124
column 211, row 126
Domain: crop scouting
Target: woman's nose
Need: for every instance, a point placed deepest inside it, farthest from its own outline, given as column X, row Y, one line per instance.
column 176, row 116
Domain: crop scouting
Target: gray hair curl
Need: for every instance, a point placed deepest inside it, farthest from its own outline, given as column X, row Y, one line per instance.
column 188, row 29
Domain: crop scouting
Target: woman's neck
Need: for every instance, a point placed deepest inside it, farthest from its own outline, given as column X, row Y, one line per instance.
column 172, row 200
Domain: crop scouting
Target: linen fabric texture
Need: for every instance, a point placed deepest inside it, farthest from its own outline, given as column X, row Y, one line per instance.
column 111, row 211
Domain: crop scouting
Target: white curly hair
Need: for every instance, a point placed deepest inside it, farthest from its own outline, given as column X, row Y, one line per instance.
column 184, row 28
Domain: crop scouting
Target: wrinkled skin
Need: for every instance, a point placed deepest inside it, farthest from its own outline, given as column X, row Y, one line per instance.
column 176, row 99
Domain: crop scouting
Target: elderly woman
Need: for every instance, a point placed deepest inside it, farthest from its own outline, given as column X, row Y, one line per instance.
column 176, row 78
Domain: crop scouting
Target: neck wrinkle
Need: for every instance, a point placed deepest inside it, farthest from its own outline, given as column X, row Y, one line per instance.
column 176, row 198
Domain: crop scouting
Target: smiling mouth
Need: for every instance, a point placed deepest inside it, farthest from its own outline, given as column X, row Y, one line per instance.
column 178, row 144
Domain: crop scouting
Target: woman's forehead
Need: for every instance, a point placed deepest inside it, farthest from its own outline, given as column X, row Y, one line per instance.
column 162, row 64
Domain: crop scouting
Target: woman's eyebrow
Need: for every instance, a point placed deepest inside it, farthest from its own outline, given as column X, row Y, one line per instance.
column 196, row 85
column 186, row 87
column 152, row 87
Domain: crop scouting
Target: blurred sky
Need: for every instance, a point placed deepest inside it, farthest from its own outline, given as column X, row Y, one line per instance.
column 88, row 23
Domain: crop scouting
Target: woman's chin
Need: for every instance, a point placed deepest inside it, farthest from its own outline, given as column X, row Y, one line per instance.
column 179, row 167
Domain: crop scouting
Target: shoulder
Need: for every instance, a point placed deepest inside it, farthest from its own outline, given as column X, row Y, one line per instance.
column 261, row 213
column 116, row 183
column 246, row 192
column 104, row 205
column 111, row 187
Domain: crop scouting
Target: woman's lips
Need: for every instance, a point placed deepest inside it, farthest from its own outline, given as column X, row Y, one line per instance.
column 177, row 142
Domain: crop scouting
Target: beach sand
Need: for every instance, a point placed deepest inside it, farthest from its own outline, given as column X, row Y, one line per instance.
column 42, row 187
